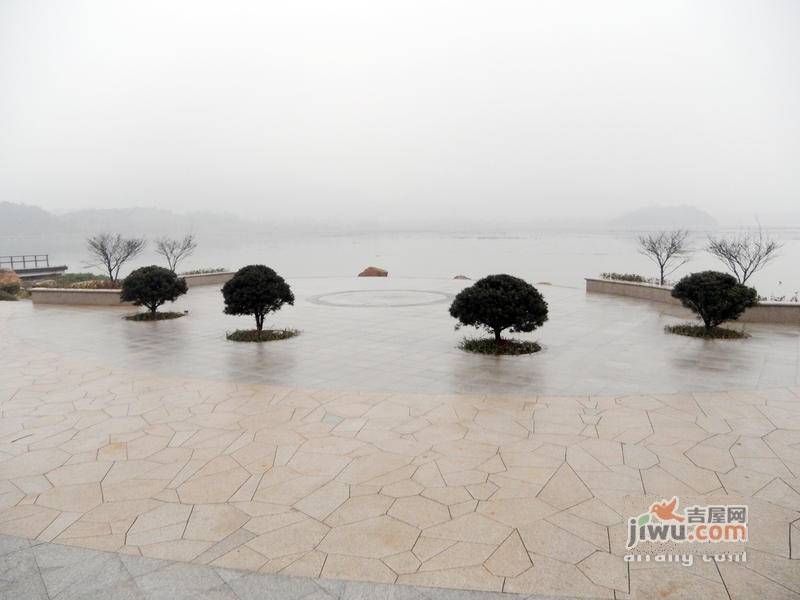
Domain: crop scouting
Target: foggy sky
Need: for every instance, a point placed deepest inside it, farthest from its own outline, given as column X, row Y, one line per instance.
column 396, row 109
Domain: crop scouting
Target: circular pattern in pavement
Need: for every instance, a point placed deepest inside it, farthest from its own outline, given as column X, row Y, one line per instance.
column 381, row 298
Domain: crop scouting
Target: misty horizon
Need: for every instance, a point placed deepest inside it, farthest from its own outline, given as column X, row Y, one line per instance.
column 18, row 219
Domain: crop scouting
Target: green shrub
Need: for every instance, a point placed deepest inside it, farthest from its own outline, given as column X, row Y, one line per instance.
column 6, row 297
column 10, row 288
column 500, row 302
column 151, row 287
column 79, row 280
column 265, row 335
column 632, row 278
column 205, row 271
column 154, row 316
column 715, row 297
column 624, row 277
column 67, row 279
column 718, row 333
column 97, row 284
column 256, row 290
column 502, row 347
column 10, row 282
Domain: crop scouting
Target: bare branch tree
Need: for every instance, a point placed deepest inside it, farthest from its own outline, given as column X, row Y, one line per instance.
column 111, row 251
column 176, row 250
column 668, row 249
column 745, row 253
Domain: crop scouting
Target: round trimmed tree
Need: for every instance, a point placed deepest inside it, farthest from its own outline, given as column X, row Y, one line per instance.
column 151, row 287
column 499, row 302
column 256, row 290
column 715, row 297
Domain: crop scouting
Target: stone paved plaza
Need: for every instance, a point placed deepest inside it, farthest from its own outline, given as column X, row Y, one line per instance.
column 395, row 335
column 162, row 449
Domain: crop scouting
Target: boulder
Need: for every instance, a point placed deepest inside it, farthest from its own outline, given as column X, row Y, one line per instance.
column 374, row 272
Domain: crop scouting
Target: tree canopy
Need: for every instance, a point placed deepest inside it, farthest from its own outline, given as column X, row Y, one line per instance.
column 151, row 287
column 256, row 290
column 500, row 302
column 715, row 297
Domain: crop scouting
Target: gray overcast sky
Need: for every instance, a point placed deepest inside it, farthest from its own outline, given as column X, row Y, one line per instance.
column 413, row 109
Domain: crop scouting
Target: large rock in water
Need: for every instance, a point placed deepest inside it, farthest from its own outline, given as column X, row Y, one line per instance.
column 374, row 272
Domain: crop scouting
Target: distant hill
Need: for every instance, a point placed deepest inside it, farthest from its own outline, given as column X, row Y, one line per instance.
column 665, row 217
column 22, row 219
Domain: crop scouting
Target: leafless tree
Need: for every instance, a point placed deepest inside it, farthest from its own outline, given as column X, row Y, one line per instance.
column 668, row 249
column 111, row 251
column 745, row 253
column 176, row 250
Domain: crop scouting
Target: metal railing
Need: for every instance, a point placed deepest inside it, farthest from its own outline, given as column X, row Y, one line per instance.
column 25, row 261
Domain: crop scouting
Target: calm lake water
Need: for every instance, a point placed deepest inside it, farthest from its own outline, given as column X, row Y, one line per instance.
column 558, row 257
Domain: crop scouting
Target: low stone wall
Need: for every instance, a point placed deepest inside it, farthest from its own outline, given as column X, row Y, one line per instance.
column 76, row 297
column 208, row 278
column 83, row 297
column 645, row 291
column 780, row 313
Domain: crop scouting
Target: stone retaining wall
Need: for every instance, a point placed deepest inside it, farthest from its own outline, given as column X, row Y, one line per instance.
column 781, row 313
column 208, row 278
column 78, row 297
column 83, row 297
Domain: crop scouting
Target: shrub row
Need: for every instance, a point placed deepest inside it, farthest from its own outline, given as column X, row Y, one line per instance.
column 495, row 303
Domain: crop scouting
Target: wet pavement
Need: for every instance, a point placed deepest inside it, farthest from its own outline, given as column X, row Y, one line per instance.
column 129, row 449
column 396, row 335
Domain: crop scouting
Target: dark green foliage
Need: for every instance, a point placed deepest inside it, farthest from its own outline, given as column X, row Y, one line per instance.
column 7, row 297
column 502, row 347
column 268, row 335
column 151, row 287
column 624, row 277
column 10, row 288
column 10, row 283
column 206, row 271
column 499, row 302
column 715, row 297
column 68, row 279
column 80, row 280
column 718, row 333
column 155, row 316
column 256, row 290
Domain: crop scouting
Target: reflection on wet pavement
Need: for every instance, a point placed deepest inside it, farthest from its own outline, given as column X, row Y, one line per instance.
column 396, row 335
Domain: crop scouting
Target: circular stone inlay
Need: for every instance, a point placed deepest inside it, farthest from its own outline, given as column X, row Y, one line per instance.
column 381, row 299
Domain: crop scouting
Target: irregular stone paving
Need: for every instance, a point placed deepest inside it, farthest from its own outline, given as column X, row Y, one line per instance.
column 34, row 570
column 495, row 493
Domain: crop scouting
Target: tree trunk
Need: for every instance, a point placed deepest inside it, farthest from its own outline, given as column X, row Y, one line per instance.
column 259, row 322
column 661, row 270
column 707, row 324
column 497, row 335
